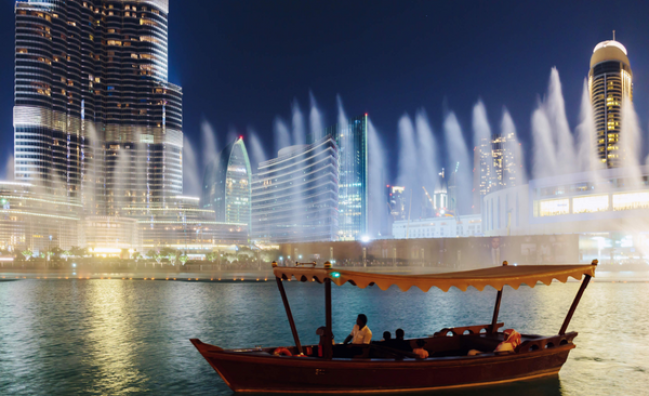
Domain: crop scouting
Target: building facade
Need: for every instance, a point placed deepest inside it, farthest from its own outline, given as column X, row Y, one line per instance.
column 353, row 177
column 227, row 185
column 295, row 196
column 610, row 81
column 439, row 227
column 36, row 220
column 95, row 118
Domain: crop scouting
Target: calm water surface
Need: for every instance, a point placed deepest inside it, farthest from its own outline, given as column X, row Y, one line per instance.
column 116, row 337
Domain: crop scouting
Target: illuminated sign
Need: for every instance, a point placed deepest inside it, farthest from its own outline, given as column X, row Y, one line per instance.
column 592, row 204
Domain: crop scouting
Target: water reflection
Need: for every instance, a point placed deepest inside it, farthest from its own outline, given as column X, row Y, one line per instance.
column 116, row 337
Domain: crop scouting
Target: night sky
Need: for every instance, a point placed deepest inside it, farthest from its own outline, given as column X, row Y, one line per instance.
column 242, row 63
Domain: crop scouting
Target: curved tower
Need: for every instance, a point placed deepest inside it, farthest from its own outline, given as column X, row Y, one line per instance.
column 226, row 185
column 610, row 83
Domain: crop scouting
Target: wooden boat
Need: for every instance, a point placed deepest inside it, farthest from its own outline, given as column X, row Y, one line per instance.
column 376, row 368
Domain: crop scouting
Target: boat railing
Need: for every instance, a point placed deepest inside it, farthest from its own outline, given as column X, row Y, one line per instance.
column 547, row 342
column 467, row 330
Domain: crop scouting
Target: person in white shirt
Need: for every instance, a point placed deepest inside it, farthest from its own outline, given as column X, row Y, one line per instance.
column 361, row 334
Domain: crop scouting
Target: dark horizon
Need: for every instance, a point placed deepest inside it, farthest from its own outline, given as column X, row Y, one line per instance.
column 241, row 64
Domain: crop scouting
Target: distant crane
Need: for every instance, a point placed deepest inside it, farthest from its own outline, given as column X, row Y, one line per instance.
column 429, row 198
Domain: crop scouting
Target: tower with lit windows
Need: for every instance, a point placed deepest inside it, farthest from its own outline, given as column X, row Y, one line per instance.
column 610, row 82
column 95, row 118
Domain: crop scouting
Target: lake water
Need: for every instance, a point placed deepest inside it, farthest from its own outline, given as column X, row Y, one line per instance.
column 117, row 337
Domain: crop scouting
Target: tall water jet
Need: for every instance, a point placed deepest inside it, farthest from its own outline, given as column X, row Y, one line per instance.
column 282, row 134
column 297, row 120
column 378, row 221
column 408, row 167
column 630, row 142
column 428, row 166
column 191, row 173
column 514, row 149
column 257, row 153
column 483, row 157
column 342, row 117
column 9, row 168
column 544, row 159
column 316, row 123
column 587, row 158
column 460, row 196
column 208, row 143
column 556, row 113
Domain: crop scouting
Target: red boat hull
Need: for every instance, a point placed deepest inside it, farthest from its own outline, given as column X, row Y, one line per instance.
column 259, row 372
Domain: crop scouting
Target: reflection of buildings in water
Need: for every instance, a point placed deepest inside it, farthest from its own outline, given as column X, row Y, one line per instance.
column 109, row 319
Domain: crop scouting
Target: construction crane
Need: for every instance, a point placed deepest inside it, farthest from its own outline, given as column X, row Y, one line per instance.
column 429, row 198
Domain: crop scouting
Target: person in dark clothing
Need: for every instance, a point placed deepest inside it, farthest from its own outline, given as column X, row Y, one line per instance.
column 387, row 336
column 400, row 342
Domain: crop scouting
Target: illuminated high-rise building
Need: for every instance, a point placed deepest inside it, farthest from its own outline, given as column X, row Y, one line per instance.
column 496, row 166
column 95, row 118
column 353, row 192
column 610, row 81
column 227, row 183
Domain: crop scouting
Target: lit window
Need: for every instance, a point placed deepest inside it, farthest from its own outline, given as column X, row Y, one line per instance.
column 590, row 204
column 554, row 207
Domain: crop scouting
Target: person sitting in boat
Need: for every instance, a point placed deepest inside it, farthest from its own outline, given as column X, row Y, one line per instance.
column 399, row 342
column 386, row 336
column 512, row 339
column 420, row 351
column 361, row 334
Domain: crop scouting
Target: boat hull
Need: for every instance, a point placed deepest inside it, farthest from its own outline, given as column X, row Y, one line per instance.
column 249, row 372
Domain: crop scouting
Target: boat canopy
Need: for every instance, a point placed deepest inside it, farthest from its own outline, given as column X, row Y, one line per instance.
column 496, row 277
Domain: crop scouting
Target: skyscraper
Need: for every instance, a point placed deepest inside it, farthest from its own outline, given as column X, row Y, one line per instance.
column 353, row 192
column 295, row 196
column 610, row 81
column 95, row 117
column 227, row 183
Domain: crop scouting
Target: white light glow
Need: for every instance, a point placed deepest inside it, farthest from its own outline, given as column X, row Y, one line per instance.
column 554, row 207
column 590, row 204
column 639, row 200
column 610, row 43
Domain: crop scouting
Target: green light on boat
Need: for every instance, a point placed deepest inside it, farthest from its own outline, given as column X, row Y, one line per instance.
column 335, row 274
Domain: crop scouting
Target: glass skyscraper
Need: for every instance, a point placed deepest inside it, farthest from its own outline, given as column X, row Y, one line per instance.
column 353, row 193
column 610, row 81
column 95, row 118
column 295, row 196
column 227, row 183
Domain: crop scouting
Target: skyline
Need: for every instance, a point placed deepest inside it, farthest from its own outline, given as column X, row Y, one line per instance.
column 401, row 93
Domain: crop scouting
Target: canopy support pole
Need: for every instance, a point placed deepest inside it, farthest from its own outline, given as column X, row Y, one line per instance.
column 327, row 352
column 494, row 320
column 289, row 314
column 499, row 297
column 573, row 307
